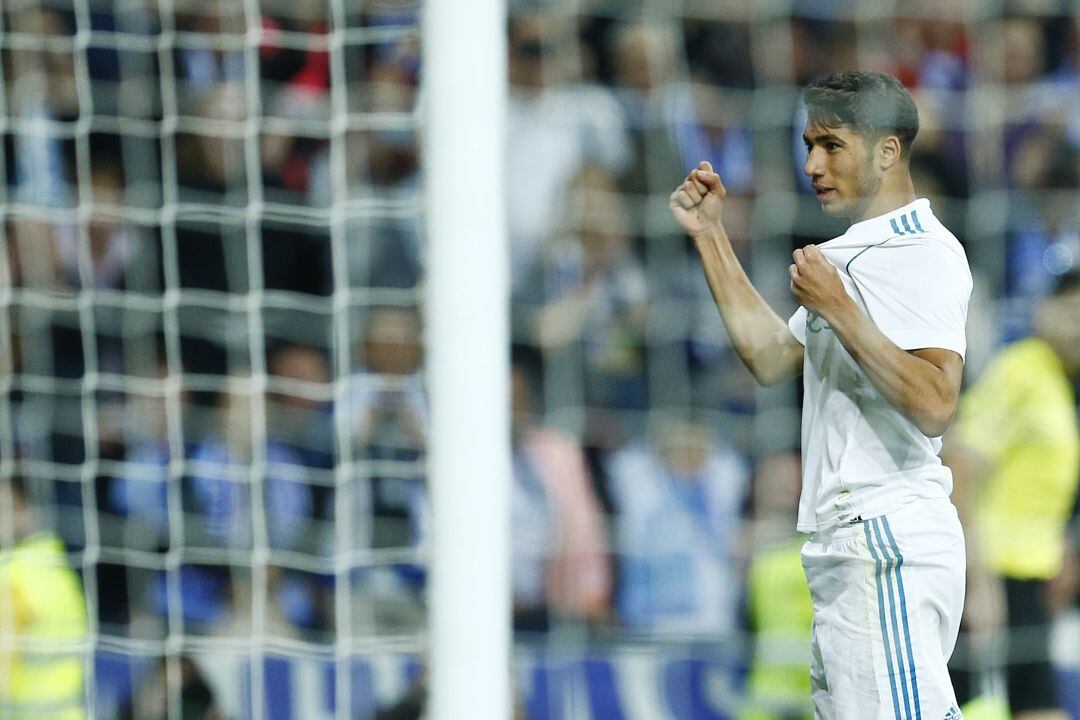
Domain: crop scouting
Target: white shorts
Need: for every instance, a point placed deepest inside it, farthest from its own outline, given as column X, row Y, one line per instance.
column 888, row 594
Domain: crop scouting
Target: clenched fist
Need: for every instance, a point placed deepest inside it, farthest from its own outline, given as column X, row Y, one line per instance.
column 697, row 203
column 815, row 283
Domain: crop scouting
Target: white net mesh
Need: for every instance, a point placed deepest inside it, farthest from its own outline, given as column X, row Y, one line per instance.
column 193, row 402
column 209, row 338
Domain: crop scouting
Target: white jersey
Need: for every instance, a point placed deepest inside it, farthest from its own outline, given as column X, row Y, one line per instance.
column 861, row 456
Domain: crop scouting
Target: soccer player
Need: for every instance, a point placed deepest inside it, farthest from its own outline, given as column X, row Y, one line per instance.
column 879, row 339
column 1015, row 453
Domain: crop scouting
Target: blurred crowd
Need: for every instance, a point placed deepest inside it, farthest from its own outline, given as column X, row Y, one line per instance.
column 214, row 250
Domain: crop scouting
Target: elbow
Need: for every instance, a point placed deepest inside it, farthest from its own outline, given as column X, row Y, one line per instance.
column 934, row 421
column 775, row 365
column 769, row 374
column 933, row 428
column 932, row 393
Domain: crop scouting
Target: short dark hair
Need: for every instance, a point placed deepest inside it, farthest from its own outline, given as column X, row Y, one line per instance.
column 873, row 104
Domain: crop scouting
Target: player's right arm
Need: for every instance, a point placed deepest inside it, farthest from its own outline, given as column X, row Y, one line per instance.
column 762, row 339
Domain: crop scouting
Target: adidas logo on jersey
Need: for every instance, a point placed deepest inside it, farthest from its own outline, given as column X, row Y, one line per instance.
column 953, row 714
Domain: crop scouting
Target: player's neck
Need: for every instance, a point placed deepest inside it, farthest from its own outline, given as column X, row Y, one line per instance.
column 895, row 192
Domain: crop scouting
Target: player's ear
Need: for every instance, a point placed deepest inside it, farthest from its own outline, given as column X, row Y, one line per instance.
column 888, row 151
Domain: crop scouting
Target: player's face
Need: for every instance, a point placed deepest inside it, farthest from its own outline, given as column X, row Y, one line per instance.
column 839, row 164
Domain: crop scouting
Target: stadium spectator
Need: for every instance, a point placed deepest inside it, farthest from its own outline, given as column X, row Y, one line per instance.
column 718, row 129
column 40, row 90
column 560, row 568
column 42, row 81
column 585, row 306
column 658, row 106
column 300, row 412
column 300, row 416
column 229, row 479
column 224, row 487
column 201, row 67
column 139, row 492
column 387, row 413
column 555, row 127
column 1041, row 140
column 1044, row 243
column 112, row 243
column 42, row 616
column 63, row 256
column 678, row 503
column 383, row 251
column 939, row 163
column 1038, row 94
column 211, row 165
column 295, row 86
column 706, row 116
column 48, row 342
column 381, row 165
column 136, row 508
column 1015, row 456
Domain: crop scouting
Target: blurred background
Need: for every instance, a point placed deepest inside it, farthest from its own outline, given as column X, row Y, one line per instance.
column 210, row 337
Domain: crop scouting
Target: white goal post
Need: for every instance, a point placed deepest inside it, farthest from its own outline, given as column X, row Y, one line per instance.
column 467, row 319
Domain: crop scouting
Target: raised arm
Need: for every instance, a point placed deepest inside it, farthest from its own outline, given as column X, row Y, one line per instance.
column 922, row 384
column 762, row 339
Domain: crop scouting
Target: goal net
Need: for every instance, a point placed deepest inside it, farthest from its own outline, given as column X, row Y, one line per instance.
column 211, row 336
column 212, row 343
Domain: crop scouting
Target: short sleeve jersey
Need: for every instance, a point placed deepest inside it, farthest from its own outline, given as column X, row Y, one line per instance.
column 1021, row 417
column 861, row 456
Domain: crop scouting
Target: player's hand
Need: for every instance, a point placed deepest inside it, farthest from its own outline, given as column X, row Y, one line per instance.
column 815, row 282
column 697, row 203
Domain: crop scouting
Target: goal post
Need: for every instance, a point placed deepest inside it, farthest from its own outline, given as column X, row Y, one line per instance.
column 467, row 320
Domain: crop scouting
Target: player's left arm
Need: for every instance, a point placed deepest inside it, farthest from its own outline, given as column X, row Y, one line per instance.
column 922, row 384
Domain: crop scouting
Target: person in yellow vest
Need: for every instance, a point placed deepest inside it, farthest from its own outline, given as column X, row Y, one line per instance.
column 42, row 618
column 1015, row 456
column 779, row 607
